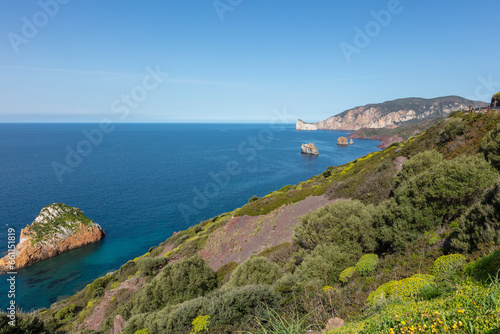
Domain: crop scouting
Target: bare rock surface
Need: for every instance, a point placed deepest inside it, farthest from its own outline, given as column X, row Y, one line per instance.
column 309, row 149
column 342, row 141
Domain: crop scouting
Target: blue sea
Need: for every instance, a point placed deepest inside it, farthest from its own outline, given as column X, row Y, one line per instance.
column 142, row 182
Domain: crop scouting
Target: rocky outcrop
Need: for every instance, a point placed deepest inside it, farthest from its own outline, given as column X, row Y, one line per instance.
column 391, row 113
column 342, row 141
column 118, row 325
column 57, row 229
column 495, row 101
column 301, row 125
column 351, row 142
column 309, row 149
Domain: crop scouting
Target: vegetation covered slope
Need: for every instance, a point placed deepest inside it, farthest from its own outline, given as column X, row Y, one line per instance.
column 373, row 258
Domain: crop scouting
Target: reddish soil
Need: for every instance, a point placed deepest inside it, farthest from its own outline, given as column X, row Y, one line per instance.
column 244, row 236
column 95, row 319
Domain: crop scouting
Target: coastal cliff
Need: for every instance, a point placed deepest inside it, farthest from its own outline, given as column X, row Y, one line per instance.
column 391, row 113
column 57, row 229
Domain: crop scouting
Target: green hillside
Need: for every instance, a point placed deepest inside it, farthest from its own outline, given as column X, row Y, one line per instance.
column 403, row 249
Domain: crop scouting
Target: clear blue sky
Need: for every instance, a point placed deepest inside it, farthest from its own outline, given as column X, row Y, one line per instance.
column 263, row 55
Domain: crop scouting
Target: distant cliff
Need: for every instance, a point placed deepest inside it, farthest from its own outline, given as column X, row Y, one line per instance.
column 391, row 113
column 57, row 229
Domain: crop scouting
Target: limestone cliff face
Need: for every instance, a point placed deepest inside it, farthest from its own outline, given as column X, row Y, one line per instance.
column 57, row 229
column 391, row 113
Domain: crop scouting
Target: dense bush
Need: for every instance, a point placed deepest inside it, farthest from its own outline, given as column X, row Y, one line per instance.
column 447, row 265
column 454, row 127
column 257, row 270
column 253, row 199
column 366, row 264
column 346, row 274
column 345, row 222
column 150, row 265
column 418, row 164
column 125, row 271
column 490, row 146
column 404, row 289
column 430, row 199
column 481, row 223
column 67, row 312
column 486, row 268
column 445, row 191
column 230, row 309
column 186, row 279
column 324, row 264
column 25, row 323
column 98, row 287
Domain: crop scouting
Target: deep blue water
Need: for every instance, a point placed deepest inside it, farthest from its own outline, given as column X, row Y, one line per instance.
column 134, row 181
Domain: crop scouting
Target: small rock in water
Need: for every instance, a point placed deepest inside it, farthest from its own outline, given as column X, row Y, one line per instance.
column 309, row 149
column 342, row 141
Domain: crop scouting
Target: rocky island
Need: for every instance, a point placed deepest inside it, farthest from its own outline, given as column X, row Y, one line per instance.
column 342, row 141
column 309, row 149
column 57, row 229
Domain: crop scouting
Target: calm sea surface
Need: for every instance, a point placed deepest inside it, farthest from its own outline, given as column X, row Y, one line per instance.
column 142, row 182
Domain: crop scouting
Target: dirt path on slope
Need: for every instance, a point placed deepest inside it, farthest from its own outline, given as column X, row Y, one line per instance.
column 244, row 236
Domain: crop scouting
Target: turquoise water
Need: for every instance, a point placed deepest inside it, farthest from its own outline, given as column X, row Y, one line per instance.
column 142, row 182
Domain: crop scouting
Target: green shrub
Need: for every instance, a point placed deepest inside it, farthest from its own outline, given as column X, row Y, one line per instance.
column 485, row 268
column 367, row 264
column 446, row 190
column 149, row 266
column 323, row 265
column 239, row 306
column 490, row 146
column 125, row 271
column 155, row 251
column 418, row 164
column 186, row 279
column 287, row 187
column 431, row 199
column 447, row 265
column 345, row 222
column 257, row 270
column 66, row 313
column 234, row 308
column 382, row 293
column 346, row 274
column 454, row 127
column 405, row 289
column 253, row 199
column 25, row 323
column 98, row 287
column 481, row 224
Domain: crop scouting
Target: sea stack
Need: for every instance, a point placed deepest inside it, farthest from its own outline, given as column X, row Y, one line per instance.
column 342, row 141
column 309, row 149
column 351, row 142
column 57, row 229
column 495, row 100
